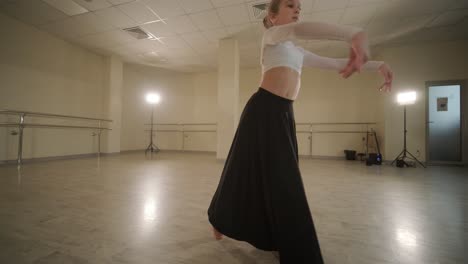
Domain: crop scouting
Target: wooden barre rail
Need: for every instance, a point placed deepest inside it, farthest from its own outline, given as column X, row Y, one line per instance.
column 40, row 114
column 50, row 126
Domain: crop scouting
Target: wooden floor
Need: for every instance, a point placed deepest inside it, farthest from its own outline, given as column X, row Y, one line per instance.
column 132, row 209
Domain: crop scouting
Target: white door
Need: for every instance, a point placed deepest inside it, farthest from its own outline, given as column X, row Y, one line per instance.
column 444, row 124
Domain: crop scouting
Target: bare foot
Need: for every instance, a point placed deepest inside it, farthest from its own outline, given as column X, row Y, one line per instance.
column 217, row 234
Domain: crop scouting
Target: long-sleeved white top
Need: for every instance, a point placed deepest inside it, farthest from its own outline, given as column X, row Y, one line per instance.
column 279, row 50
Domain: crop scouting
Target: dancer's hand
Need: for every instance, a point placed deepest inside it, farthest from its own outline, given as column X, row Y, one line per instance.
column 357, row 56
column 387, row 73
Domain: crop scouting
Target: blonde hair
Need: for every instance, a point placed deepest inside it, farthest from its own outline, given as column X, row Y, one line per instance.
column 273, row 8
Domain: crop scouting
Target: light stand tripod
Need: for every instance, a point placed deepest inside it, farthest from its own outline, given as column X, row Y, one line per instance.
column 151, row 147
column 402, row 156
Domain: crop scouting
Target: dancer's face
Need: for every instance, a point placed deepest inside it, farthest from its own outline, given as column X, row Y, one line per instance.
column 288, row 12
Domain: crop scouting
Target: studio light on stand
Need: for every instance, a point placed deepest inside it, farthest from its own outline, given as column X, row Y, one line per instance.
column 152, row 99
column 405, row 98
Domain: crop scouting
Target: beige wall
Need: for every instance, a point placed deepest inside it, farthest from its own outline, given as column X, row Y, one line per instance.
column 176, row 106
column 39, row 72
column 414, row 65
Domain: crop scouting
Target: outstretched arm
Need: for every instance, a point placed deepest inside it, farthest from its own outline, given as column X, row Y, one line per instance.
column 359, row 52
column 314, row 60
column 309, row 31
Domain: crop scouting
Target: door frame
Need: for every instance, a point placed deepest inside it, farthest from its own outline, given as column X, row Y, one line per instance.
column 463, row 102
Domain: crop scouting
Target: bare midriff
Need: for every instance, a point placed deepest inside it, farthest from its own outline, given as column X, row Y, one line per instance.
column 282, row 81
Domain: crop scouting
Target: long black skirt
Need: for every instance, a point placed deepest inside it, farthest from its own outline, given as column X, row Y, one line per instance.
column 260, row 198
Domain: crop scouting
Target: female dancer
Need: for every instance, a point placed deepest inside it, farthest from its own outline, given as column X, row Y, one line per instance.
column 260, row 198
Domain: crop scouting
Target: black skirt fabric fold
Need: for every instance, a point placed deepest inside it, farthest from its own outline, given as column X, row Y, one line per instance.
column 260, row 198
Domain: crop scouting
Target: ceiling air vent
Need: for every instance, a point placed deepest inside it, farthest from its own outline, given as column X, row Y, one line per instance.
column 139, row 33
column 259, row 9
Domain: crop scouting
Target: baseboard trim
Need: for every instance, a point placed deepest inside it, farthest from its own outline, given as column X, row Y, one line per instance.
column 321, row 157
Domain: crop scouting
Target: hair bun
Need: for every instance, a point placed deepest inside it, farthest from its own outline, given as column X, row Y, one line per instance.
column 266, row 22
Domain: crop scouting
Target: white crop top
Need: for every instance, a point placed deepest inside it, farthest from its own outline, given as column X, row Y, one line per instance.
column 279, row 50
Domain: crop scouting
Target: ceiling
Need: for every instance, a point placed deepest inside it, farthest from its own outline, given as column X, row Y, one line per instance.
column 186, row 32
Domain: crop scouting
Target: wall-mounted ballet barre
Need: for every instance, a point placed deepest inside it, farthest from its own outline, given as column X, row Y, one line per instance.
column 183, row 130
column 21, row 125
column 311, row 131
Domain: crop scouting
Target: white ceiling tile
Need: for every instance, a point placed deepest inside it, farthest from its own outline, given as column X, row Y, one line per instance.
column 94, row 4
column 206, row 20
column 150, row 44
column 69, row 7
column 379, row 28
column 197, row 40
column 307, row 6
column 210, row 55
column 251, row 12
column 405, row 8
column 72, row 27
column 207, row 51
column 158, row 29
column 233, row 15
column 459, row 4
column 175, row 42
column 119, row 2
column 116, row 17
column 180, row 53
column 89, row 23
column 429, row 35
column 215, row 35
column 414, row 23
column 35, row 12
column 237, row 29
column 77, row 26
column 195, row 37
column 60, row 29
column 111, row 38
column 358, row 14
column 138, row 12
column 362, row 24
column 190, row 61
column 193, row 6
column 462, row 28
column 389, row 11
column 153, row 57
column 449, row 18
column 222, row 3
column 139, row 46
column 332, row 16
column 181, row 24
column 165, row 8
column 361, row 2
column 321, row 5
column 400, row 27
column 94, row 40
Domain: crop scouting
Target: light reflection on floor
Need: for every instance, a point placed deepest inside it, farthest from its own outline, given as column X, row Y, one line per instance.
column 132, row 209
